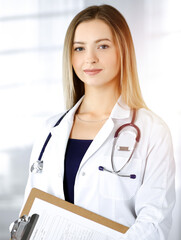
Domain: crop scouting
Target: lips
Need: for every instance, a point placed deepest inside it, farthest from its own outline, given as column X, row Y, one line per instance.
column 92, row 72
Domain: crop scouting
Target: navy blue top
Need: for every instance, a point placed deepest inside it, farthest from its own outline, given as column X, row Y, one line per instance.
column 76, row 148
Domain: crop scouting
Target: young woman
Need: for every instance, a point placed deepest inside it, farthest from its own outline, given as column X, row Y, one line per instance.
column 127, row 176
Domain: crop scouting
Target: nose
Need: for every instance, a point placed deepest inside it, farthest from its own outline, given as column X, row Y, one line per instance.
column 91, row 57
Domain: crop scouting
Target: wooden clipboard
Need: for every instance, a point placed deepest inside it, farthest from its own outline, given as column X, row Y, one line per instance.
column 36, row 193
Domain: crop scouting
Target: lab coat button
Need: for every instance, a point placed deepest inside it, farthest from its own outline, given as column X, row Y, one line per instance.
column 83, row 174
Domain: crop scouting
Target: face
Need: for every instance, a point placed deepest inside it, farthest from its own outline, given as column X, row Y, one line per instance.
column 95, row 55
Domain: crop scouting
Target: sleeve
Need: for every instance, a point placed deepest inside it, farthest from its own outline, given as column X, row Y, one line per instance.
column 155, row 199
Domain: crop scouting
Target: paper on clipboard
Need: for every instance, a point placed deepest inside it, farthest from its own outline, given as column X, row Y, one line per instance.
column 59, row 219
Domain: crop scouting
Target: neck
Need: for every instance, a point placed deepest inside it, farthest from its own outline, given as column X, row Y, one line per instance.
column 99, row 103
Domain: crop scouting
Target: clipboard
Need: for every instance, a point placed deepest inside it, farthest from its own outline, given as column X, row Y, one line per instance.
column 23, row 227
column 37, row 194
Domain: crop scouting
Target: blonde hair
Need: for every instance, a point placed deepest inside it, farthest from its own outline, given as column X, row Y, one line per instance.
column 130, row 88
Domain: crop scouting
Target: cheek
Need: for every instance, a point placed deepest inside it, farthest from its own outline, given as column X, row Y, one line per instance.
column 113, row 65
column 76, row 63
column 73, row 62
column 112, row 59
column 116, row 62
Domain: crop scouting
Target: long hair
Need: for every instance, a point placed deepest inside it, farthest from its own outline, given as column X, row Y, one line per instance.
column 130, row 88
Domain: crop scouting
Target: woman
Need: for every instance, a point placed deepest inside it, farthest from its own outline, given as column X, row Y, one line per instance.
column 102, row 91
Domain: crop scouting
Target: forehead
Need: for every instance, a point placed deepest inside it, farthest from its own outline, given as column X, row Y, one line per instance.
column 92, row 30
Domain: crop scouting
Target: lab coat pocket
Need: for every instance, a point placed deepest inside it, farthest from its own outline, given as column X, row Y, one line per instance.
column 117, row 187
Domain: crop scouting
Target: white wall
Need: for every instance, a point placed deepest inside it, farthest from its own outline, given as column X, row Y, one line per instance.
column 31, row 39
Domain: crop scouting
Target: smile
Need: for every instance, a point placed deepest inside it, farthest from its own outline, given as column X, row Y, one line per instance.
column 92, row 72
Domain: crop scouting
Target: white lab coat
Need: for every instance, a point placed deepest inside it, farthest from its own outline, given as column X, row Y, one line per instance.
column 144, row 204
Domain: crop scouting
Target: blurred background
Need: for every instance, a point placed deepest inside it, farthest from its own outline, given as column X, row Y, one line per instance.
column 31, row 41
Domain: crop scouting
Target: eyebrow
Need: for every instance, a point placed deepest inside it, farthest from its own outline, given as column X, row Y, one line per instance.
column 97, row 41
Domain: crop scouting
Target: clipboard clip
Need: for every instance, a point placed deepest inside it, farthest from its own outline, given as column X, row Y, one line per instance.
column 23, row 227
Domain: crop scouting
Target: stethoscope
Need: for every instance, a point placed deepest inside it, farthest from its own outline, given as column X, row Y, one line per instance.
column 37, row 167
column 116, row 135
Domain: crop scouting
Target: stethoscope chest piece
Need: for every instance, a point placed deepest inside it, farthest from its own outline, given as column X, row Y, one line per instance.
column 37, row 167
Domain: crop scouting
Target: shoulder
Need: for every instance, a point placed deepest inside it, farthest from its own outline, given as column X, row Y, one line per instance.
column 51, row 121
column 152, row 123
column 155, row 134
column 147, row 116
column 54, row 120
column 42, row 135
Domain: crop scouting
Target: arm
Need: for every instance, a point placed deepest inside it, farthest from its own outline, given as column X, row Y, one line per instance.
column 156, row 197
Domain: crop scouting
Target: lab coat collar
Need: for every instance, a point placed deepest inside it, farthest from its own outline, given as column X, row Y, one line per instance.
column 69, row 117
column 120, row 110
column 71, row 113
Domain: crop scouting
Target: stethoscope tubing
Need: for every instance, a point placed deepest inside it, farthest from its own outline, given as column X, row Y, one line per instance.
column 49, row 136
column 112, row 163
column 116, row 135
column 37, row 167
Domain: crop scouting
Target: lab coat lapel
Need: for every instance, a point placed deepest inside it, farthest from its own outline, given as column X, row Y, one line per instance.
column 101, row 137
column 60, row 136
column 56, row 151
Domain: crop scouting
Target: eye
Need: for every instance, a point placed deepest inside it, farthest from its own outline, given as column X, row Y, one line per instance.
column 78, row 49
column 104, row 46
